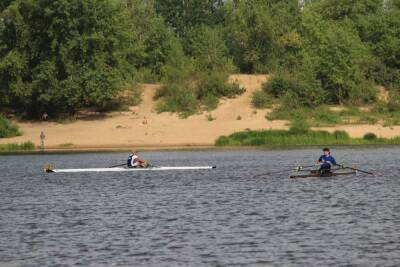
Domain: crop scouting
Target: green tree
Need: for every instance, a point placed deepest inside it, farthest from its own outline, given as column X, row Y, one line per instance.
column 207, row 46
column 185, row 14
column 262, row 35
column 336, row 54
column 250, row 36
column 62, row 55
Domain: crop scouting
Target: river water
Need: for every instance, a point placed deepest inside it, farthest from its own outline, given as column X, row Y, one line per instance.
column 220, row 217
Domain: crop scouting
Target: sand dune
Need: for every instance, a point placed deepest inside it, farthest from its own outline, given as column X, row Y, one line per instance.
column 127, row 130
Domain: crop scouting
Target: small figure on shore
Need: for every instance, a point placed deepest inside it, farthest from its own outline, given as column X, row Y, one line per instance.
column 135, row 162
column 144, row 122
column 42, row 137
column 45, row 116
column 326, row 161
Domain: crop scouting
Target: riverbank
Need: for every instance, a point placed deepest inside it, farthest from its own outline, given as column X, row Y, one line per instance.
column 141, row 126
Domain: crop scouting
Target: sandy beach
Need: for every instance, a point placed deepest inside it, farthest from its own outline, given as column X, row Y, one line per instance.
column 142, row 126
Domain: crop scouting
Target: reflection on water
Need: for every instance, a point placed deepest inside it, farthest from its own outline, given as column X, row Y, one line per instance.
column 199, row 218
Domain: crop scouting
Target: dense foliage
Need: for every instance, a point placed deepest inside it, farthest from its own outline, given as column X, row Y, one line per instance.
column 60, row 56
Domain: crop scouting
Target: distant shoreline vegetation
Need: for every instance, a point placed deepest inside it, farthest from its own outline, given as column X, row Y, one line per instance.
column 296, row 137
column 17, row 147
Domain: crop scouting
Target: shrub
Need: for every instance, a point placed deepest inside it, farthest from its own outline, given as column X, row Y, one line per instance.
column 290, row 101
column 187, row 96
column 303, row 86
column 299, row 127
column 278, row 85
column 7, row 128
column 370, row 136
column 215, row 83
column 323, row 116
column 177, row 98
column 210, row 102
column 260, row 100
column 223, row 141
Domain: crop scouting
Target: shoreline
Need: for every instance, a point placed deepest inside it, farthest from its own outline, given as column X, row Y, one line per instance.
column 193, row 148
column 142, row 128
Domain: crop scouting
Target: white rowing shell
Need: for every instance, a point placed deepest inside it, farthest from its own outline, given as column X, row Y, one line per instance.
column 132, row 169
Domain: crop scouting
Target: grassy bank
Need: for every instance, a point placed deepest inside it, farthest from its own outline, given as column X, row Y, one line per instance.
column 16, row 147
column 293, row 138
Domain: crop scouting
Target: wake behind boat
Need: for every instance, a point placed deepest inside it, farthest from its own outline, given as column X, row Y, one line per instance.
column 124, row 169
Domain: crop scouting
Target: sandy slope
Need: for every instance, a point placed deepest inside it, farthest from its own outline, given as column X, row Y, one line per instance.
column 126, row 129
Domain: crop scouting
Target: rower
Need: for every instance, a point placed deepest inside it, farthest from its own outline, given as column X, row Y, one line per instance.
column 135, row 162
column 326, row 161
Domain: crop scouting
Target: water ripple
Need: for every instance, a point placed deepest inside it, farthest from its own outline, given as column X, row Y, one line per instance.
column 224, row 217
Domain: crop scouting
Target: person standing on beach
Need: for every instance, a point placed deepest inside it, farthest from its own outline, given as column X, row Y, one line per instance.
column 42, row 137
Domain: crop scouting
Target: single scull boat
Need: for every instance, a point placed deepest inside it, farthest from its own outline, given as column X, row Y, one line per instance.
column 50, row 170
column 317, row 174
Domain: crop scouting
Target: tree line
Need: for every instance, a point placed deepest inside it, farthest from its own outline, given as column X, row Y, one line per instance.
column 60, row 56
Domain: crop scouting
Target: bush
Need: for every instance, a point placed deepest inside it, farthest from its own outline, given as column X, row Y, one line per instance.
column 298, row 127
column 223, row 141
column 370, row 136
column 177, row 98
column 215, row 83
column 302, row 86
column 210, row 102
column 323, row 116
column 278, row 85
column 260, row 100
column 187, row 96
column 7, row 128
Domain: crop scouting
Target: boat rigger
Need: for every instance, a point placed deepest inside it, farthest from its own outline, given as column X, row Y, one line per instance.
column 120, row 169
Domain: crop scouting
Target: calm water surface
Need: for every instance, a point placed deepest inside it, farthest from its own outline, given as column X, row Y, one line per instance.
column 219, row 217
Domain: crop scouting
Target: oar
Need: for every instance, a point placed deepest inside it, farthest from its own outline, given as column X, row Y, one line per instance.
column 119, row 165
column 298, row 168
column 355, row 169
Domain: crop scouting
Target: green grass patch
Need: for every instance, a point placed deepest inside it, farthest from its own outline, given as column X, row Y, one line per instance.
column 294, row 137
column 15, row 147
column 7, row 128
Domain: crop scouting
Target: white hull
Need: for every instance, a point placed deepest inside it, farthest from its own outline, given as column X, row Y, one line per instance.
column 132, row 169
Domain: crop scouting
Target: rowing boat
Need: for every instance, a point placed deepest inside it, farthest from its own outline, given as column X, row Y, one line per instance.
column 318, row 174
column 50, row 170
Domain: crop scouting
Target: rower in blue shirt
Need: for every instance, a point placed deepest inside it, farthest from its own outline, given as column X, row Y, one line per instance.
column 326, row 161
